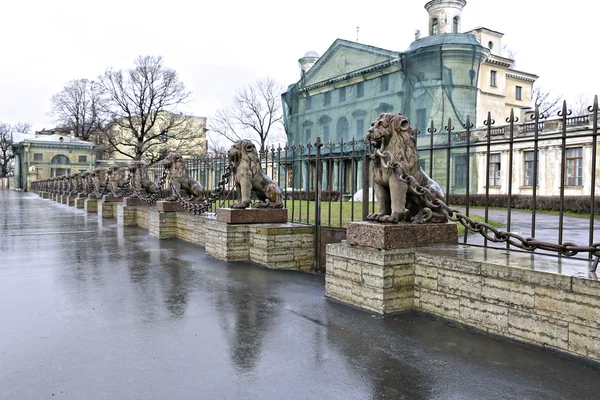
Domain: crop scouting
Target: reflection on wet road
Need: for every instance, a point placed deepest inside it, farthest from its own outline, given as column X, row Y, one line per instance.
column 93, row 311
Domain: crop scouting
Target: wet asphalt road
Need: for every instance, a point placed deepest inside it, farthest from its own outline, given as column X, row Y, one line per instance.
column 93, row 311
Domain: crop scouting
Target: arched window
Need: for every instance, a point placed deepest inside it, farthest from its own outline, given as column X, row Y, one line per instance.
column 455, row 25
column 341, row 129
column 434, row 26
column 60, row 159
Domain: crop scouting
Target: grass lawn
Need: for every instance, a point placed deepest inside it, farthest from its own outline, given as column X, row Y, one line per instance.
column 304, row 212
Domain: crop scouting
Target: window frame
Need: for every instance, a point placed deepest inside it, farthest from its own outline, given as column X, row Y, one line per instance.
column 529, row 168
column 384, row 83
column 36, row 158
column 519, row 92
column 360, row 90
column 326, row 98
column 460, row 175
column 435, row 26
column 342, row 94
column 576, row 179
column 493, row 78
column 495, row 166
column 79, row 159
column 308, row 103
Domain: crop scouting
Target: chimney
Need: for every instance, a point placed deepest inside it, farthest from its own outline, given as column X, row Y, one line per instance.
column 417, row 34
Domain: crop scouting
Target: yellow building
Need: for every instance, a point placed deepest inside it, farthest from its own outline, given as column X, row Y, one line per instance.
column 184, row 134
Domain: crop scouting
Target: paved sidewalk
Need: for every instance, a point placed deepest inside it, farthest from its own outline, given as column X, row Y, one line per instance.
column 94, row 311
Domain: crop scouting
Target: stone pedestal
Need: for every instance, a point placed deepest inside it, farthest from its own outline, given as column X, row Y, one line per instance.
column 126, row 215
column 71, row 200
column 190, row 227
column 169, row 206
column 106, row 209
column 252, row 215
column 162, row 225
column 63, row 198
column 226, row 241
column 400, row 236
column 44, row 195
column 373, row 269
column 131, row 202
column 283, row 246
column 377, row 280
column 79, row 202
column 110, row 198
column 91, row 204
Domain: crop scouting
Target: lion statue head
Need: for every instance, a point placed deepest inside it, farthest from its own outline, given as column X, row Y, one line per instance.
column 243, row 151
column 179, row 179
column 393, row 141
column 116, row 178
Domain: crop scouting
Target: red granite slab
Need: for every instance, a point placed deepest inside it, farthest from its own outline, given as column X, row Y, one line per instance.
column 252, row 215
column 169, row 206
column 110, row 198
column 399, row 236
column 131, row 201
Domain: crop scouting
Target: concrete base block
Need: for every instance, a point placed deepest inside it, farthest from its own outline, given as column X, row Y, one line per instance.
column 190, row 227
column 91, row 205
column 400, row 236
column 162, row 225
column 126, row 215
column 283, row 246
column 377, row 280
column 252, row 215
column 110, row 198
column 45, row 195
column 71, row 200
column 79, row 202
column 107, row 209
column 63, row 198
column 141, row 216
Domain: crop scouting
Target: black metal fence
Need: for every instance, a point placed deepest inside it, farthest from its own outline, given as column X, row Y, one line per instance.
column 546, row 167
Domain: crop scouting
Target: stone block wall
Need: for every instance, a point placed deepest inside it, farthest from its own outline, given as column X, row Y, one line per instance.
column 227, row 242
column 190, row 227
column 543, row 308
column 557, row 311
column 162, row 225
column 91, row 205
column 141, row 216
column 126, row 215
column 107, row 209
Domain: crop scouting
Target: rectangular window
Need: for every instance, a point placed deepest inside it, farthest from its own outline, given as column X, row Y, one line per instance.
column 342, row 92
column 307, row 133
column 422, row 120
column 325, row 138
column 460, row 171
column 360, row 129
column 493, row 78
column 531, row 178
column 307, row 103
column 494, row 169
column 519, row 93
column 82, row 158
column 327, row 98
column 384, row 83
column 38, row 157
column 575, row 166
column 360, row 89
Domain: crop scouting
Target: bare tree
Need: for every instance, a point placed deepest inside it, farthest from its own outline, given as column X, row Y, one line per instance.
column 143, row 103
column 255, row 114
column 548, row 103
column 579, row 105
column 81, row 108
column 6, row 154
column 21, row 127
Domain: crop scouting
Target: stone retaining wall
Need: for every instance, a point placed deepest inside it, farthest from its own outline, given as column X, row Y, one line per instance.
column 543, row 308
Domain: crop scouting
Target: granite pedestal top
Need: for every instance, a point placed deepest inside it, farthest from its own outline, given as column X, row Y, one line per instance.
column 252, row 215
column 169, row 206
column 399, row 236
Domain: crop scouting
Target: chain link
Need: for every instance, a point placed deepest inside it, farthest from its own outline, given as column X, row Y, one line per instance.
column 198, row 208
column 486, row 230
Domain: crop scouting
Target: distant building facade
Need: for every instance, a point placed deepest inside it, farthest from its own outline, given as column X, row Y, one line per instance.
column 447, row 75
column 47, row 154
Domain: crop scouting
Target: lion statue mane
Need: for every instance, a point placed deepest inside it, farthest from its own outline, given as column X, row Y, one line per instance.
column 249, row 177
column 392, row 135
column 100, row 179
column 139, row 178
column 179, row 179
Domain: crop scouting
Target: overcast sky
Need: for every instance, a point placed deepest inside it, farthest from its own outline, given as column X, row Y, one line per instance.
column 219, row 46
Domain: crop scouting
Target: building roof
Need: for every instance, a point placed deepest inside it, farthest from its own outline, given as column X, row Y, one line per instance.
column 444, row 38
column 56, row 139
column 481, row 28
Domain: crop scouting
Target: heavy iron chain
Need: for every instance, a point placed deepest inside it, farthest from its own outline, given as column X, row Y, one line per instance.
column 210, row 200
column 122, row 191
column 151, row 199
column 486, row 230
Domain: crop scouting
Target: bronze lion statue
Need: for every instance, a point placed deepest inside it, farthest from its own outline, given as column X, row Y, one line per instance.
column 392, row 136
column 100, row 180
column 139, row 178
column 249, row 177
column 179, row 179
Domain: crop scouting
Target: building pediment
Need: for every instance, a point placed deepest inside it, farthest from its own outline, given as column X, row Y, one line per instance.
column 345, row 57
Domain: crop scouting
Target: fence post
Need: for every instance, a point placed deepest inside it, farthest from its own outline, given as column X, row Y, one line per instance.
column 365, row 184
column 318, row 184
